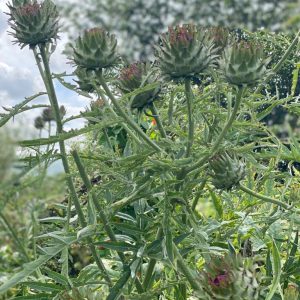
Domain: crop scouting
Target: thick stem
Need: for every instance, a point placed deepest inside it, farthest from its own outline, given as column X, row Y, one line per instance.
column 223, row 133
column 159, row 124
column 55, row 107
column 189, row 100
column 131, row 133
column 264, row 198
column 126, row 117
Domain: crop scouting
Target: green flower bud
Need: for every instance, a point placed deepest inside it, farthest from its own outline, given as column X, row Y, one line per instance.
column 227, row 169
column 96, row 49
column 220, row 37
column 243, row 63
column 39, row 123
column 185, row 51
column 85, row 79
column 230, row 277
column 291, row 292
column 132, row 78
column 47, row 115
column 33, row 23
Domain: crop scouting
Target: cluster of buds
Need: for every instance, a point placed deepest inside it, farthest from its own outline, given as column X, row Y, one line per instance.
column 185, row 51
column 47, row 116
column 33, row 23
column 230, row 277
column 227, row 170
column 135, row 76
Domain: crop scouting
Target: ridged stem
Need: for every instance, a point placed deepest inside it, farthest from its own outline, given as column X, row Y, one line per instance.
column 263, row 197
column 159, row 123
column 189, row 100
column 54, row 104
column 114, row 113
column 126, row 117
column 223, row 133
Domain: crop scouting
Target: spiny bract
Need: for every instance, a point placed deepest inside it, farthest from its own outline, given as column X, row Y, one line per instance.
column 96, row 49
column 243, row 63
column 136, row 76
column 33, row 23
column 185, row 51
column 230, row 278
column 227, row 169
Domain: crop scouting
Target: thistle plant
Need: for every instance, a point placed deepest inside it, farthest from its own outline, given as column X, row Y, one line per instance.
column 155, row 206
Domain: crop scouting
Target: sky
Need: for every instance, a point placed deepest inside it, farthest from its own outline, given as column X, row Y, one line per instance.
column 19, row 78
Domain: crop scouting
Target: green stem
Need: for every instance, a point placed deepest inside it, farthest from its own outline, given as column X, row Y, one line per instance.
column 126, row 117
column 223, row 133
column 159, row 124
column 54, row 104
column 134, row 137
column 183, row 267
column 279, row 64
column 263, row 197
column 189, row 100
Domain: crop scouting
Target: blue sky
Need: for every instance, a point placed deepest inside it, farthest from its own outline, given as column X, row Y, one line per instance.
column 19, row 78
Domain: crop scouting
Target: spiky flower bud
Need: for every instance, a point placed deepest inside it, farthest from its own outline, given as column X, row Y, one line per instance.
column 220, row 37
column 291, row 292
column 133, row 77
column 243, row 63
column 184, row 51
column 230, row 277
column 62, row 111
column 33, row 23
column 85, row 79
column 96, row 49
column 48, row 115
column 227, row 169
column 39, row 123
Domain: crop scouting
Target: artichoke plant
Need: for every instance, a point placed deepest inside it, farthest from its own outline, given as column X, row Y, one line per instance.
column 33, row 23
column 185, row 51
column 230, row 277
column 227, row 169
column 220, row 37
column 243, row 64
column 96, row 49
column 135, row 76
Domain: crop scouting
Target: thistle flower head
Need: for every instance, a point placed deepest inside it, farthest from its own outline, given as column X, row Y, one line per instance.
column 220, row 37
column 135, row 76
column 39, row 123
column 184, row 51
column 243, row 63
column 227, row 169
column 47, row 115
column 95, row 49
column 32, row 22
column 230, row 277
